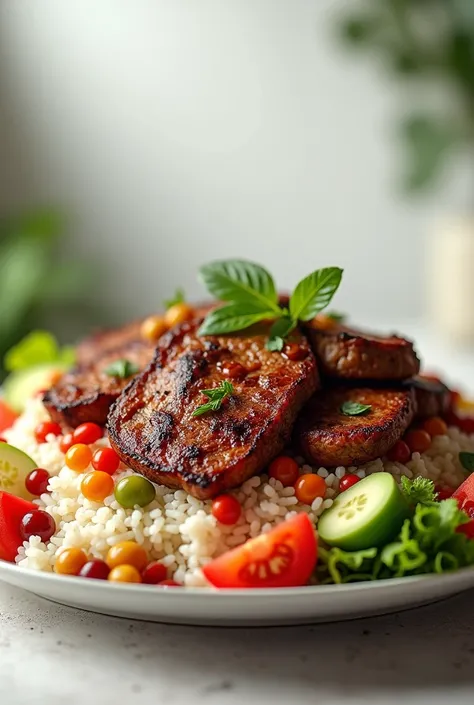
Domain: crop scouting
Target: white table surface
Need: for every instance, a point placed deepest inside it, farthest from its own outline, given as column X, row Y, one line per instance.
column 53, row 655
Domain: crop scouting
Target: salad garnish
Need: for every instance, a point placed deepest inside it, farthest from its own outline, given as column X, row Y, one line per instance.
column 429, row 542
column 250, row 296
column 353, row 408
column 123, row 369
column 37, row 348
column 467, row 461
column 418, row 491
column 215, row 396
column 179, row 297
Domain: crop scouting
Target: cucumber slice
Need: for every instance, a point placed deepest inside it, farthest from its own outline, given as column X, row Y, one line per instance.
column 367, row 515
column 22, row 385
column 14, row 467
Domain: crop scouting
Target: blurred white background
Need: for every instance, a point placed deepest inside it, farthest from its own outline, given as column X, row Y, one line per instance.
column 177, row 131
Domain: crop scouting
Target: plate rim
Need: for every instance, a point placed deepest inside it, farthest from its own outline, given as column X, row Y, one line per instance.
column 223, row 593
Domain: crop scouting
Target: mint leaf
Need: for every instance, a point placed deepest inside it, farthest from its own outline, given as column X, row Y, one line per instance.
column 233, row 317
column 239, row 281
column 123, row 369
column 275, row 344
column 178, row 298
column 353, row 408
column 282, row 327
column 216, row 396
column 467, row 460
column 420, row 490
column 314, row 293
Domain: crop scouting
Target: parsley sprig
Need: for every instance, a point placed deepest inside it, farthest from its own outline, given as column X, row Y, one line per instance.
column 215, row 396
column 122, row 369
column 250, row 296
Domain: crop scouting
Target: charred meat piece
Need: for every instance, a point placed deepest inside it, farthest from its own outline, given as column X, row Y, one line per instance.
column 103, row 342
column 87, row 392
column 327, row 437
column 347, row 353
column 152, row 427
column 432, row 397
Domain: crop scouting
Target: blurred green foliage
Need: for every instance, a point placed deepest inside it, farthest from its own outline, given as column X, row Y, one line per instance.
column 430, row 44
column 35, row 284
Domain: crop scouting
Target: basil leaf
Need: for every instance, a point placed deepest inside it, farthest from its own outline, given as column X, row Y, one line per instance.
column 233, row 317
column 239, row 281
column 178, row 298
column 467, row 461
column 353, row 408
column 275, row 344
column 314, row 293
column 282, row 327
column 122, row 369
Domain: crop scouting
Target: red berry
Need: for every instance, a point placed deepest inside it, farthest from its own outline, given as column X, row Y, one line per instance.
column 97, row 569
column 87, row 433
column 347, row 481
column 106, row 460
column 284, row 469
column 443, row 493
column 37, row 481
column 45, row 429
column 66, row 442
column 154, row 573
column 37, row 523
column 169, row 583
column 226, row 509
column 400, row 453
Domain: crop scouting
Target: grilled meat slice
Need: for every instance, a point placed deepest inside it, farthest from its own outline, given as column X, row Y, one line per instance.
column 107, row 341
column 327, row 437
column 347, row 353
column 432, row 397
column 87, row 392
column 152, row 427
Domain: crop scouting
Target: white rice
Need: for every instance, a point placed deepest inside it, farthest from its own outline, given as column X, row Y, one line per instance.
column 179, row 529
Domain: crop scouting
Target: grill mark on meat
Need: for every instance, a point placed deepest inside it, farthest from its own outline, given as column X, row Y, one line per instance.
column 211, row 453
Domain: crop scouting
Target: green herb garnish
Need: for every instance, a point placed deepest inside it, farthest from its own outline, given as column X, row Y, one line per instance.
column 467, row 460
column 37, row 348
column 250, row 295
column 420, row 490
column 429, row 542
column 353, row 408
column 336, row 317
column 216, row 396
column 122, row 369
column 178, row 298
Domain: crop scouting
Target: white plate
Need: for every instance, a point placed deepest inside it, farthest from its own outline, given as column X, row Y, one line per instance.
column 238, row 607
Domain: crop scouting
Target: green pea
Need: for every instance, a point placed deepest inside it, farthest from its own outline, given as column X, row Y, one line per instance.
column 133, row 490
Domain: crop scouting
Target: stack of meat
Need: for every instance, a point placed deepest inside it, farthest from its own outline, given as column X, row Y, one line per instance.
column 297, row 395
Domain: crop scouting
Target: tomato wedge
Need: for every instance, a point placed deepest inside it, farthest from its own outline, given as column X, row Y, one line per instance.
column 465, row 494
column 7, row 416
column 12, row 511
column 283, row 557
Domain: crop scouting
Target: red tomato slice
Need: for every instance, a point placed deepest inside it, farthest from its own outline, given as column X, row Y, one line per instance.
column 465, row 496
column 7, row 416
column 284, row 557
column 12, row 511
